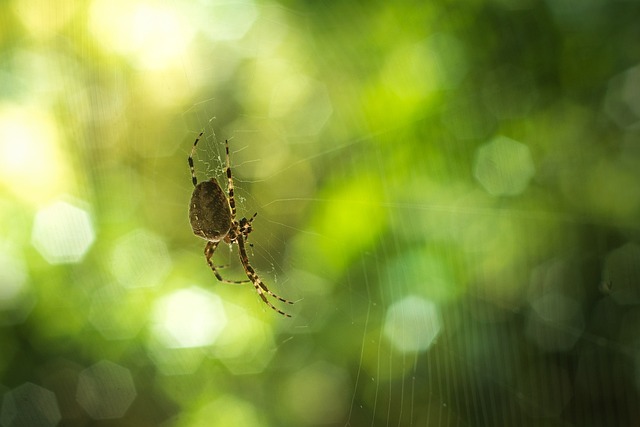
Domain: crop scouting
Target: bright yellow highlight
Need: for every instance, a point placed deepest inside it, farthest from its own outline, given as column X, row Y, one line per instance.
column 31, row 165
column 153, row 37
column 188, row 318
column 45, row 18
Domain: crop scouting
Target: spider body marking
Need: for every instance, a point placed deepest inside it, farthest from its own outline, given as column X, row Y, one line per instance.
column 213, row 218
column 209, row 212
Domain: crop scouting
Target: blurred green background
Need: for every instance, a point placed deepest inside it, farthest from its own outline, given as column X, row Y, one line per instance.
column 448, row 190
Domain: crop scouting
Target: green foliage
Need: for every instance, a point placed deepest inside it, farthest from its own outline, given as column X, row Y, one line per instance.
column 470, row 167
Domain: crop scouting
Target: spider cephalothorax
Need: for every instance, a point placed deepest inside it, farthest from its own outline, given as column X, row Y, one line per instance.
column 213, row 217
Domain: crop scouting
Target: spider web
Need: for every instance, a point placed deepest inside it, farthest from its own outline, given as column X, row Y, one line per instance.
column 416, row 305
column 385, row 386
column 484, row 363
column 447, row 192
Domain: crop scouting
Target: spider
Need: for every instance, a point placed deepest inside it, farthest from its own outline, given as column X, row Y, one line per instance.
column 213, row 217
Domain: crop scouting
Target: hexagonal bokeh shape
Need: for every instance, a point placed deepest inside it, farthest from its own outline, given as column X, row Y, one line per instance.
column 412, row 324
column 105, row 390
column 228, row 20
column 16, row 297
column 189, row 317
column 140, row 259
column 118, row 313
column 622, row 274
column 304, row 102
column 248, row 346
column 62, row 233
column 29, row 405
column 622, row 104
column 555, row 322
column 175, row 361
column 504, row 167
column 13, row 274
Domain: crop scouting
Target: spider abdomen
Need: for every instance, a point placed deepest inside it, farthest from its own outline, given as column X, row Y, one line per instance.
column 209, row 211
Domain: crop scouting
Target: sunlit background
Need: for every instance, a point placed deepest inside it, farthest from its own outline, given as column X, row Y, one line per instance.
column 449, row 191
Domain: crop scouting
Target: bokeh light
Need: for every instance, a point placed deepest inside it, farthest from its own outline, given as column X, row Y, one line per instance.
column 16, row 296
column 118, row 313
column 151, row 35
column 555, row 322
column 449, row 194
column 63, row 233
column 317, row 394
column 188, row 318
column 29, row 405
column 504, row 167
column 229, row 20
column 140, row 259
column 412, row 324
column 175, row 361
column 418, row 70
column 13, row 274
column 43, row 18
column 223, row 411
column 622, row 274
column 304, row 103
column 621, row 102
column 31, row 164
column 105, row 390
column 246, row 345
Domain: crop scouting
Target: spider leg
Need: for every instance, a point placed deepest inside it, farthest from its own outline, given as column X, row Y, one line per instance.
column 208, row 253
column 232, row 200
column 190, row 160
column 261, row 288
column 245, row 227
